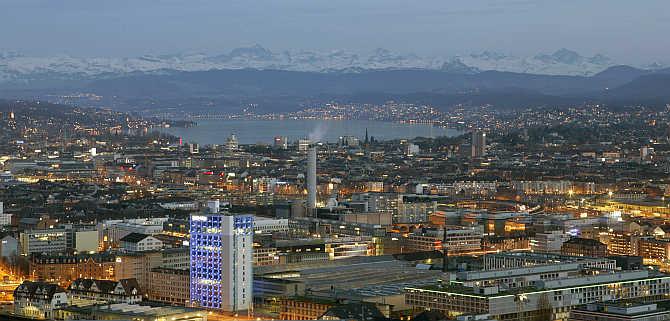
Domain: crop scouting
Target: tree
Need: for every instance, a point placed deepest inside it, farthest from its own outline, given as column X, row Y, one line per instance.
column 544, row 309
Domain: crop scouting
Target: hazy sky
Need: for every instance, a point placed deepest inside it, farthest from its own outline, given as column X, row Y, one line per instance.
column 627, row 30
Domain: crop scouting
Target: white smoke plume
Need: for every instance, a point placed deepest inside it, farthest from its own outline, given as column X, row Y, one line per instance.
column 318, row 133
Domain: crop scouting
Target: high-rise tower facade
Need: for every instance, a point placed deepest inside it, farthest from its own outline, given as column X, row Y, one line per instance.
column 478, row 144
column 221, row 255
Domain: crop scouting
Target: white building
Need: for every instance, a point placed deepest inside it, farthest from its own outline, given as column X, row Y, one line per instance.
column 111, row 231
column 86, row 241
column 542, row 292
column 38, row 300
column 412, row 149
column 221, row 248
column 43, row 241
column 264, row 225
column 137, row 242
column 549, row 242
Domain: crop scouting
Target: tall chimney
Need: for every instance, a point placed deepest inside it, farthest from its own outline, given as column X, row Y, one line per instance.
column 311, row 180
column 445, row 250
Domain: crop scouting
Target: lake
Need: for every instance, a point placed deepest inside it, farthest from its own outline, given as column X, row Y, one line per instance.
column 263, row 131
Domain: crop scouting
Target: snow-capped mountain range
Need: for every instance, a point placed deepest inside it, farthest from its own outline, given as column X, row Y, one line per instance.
column 19, row 68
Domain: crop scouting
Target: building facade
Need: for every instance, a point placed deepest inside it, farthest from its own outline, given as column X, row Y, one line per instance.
column 38, row 300
column 221, row 248
column 584, row 247
column 171, row 286
column 43, row 241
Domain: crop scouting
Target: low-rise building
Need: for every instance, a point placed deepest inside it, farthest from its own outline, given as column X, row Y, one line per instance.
column 38, row 300
column 300, row 308
column 620, row 312
column 63, row 269
column 171, row 286
column 546, row 299
column 92, row 291
column 549, row 242
column 135, row 312
column 138, row 242
column 584, row 247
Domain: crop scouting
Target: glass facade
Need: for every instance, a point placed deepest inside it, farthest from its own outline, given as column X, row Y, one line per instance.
column 217, row 247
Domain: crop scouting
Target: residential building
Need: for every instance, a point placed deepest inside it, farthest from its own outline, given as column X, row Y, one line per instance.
column 63, row 269
column 654, row 251
column 38, row 300
column 94, row 291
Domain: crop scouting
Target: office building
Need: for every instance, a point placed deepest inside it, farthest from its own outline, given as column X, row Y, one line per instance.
column 221, row 248
column 171, row 286
column 544, row 292
column 624, row 311
column 578, row 246
column 43, row 241
column 549, row 242
column 478, row 144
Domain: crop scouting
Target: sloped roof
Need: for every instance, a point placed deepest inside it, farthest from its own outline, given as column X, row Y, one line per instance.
column 134, row 237
column 363, row 311
column 31, row 289
column 104, row 286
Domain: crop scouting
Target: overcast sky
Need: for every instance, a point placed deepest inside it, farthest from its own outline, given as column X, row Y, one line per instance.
column 627, row 30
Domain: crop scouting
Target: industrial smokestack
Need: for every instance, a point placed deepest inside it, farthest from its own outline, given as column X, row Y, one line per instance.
column 311, row 180
column 445, row 250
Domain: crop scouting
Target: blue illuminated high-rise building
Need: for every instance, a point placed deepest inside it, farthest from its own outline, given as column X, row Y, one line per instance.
column 221, row 248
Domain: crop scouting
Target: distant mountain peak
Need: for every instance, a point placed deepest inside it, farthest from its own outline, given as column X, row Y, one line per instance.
column 456, row 66
column 600, row 59
column 489, row 55
column 256, row 50
column 17, row 68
